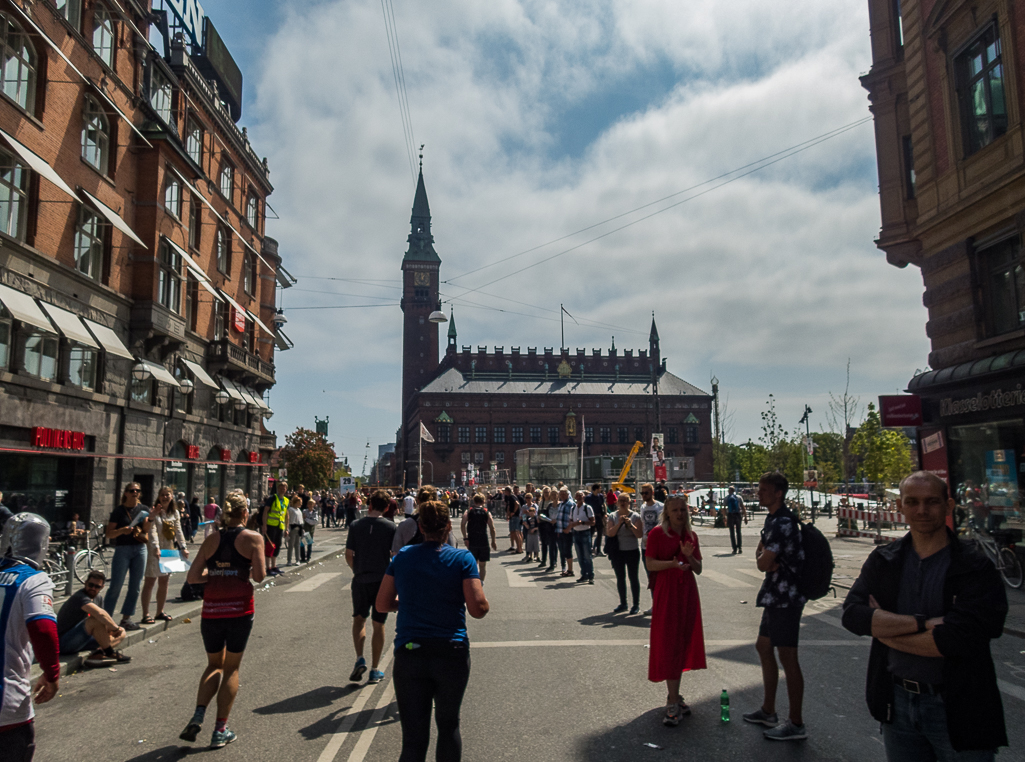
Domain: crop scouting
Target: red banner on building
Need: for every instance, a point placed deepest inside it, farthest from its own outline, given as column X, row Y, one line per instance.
column 58, row 439
column 254, row 457
column 192, row 452
column 226, row 456
column 899, row 411
column 238, row 319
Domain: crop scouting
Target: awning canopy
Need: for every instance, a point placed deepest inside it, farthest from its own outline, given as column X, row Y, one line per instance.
column 247, row 395
column 195, row 269
column 113, row 217
column 201, row 375
column 24, row 308
column 49, row 42
column 109, row 340
column 232, row 390
column 281, row 341
column 238, row 307
column 160, row 373
column 285, row 279
column 38, row 164
column 259, row 400
column 70, row 325
column 259, row 322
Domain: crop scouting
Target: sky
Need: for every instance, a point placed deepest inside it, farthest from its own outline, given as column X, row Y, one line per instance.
column 542, row 119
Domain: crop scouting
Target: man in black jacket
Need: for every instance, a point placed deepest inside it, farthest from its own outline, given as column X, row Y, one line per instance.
column 931, row 606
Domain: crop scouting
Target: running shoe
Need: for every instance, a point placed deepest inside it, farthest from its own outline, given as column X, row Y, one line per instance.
column 788, row 731
column 358, row 670
column 619, row 609
column 190, row 732
column 761, row 717
column 221, row 738
column 634, row 610
column 376, row 676
column 672, row 715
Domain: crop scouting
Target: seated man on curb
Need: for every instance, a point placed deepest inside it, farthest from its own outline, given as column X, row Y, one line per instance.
column 83, row 624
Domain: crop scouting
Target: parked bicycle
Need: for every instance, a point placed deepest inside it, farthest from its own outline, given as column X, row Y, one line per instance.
column 1004, row 559
column 95, row 557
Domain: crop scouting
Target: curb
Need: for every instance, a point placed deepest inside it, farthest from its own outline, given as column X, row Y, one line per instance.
column 72, row 663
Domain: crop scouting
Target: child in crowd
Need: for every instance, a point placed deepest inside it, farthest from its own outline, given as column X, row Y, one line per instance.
column 530, row 532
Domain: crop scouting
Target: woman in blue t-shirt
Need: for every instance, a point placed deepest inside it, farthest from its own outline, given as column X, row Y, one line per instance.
column 431, row 586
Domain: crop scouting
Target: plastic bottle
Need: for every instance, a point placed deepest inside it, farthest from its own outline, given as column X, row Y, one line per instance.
column 724, row 706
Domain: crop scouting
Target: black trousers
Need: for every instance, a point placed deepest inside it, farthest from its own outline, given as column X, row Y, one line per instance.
column 549, row 544
column 733, row 522
column 18, row 744
column 627, row 562
column 434, row 674
column 599, row 533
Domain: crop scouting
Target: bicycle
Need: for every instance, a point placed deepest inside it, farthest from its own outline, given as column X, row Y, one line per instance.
column 1004, row 559
column 87, row 559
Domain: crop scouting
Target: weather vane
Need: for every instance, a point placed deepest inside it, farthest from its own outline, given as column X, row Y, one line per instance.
column 422, row 155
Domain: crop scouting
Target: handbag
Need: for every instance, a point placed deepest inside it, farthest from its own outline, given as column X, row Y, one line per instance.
column 167, row 528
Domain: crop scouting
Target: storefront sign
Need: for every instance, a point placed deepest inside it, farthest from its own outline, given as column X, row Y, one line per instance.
column 897, row 411
column 254, row 457
column 58, row 439
column 226, row 456
column 192, row 452
column 238, row 320
column 996, row 399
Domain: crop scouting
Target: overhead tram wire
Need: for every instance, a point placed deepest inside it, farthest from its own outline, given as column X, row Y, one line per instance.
column 789, row 151
column 664, row 209
column 391, row 31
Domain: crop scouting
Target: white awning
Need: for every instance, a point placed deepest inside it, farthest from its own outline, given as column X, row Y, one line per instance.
column 206, row 284
column 247, row 395
column 113, row 217
column 282, row 341
column 70, row 325
column 201, row 375
column 259, row 400
column 121, row 114
column 232, row 390
column 259, row 322
column 38, row 164
column 109, row 340
column 282, row 278
column 160, row 373
column 238, row 307
column 189, row 261
column 24, row 308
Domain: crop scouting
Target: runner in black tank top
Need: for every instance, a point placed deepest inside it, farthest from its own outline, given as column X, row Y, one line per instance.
column 476, row 524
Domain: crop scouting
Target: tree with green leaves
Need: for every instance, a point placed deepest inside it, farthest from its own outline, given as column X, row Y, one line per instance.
column 752, row 461
column 309, row 458
column 885, row 453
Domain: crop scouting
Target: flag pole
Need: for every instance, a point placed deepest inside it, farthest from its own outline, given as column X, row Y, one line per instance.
column 420, row 449
column 583, row 436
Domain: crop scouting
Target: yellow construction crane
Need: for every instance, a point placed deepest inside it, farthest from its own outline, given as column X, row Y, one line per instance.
column 618, row 484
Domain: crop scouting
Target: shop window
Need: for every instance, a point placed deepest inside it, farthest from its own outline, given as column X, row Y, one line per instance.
column 517, row 435
column 690, row 435
column 142, row 391
column 103, row 35
column 623, row 435
column 673, row 435
column 160, row 95
column 169, row 285
column 13, row 196
column 226, row 180
column 18, row 73
column 173, row 196
column 535, row 435
column 95, row 135
column 444, row 433
column 223, row 251
column 82, row 366
column 478, row 458
column 71, row 10
column 980, row 76
column 194, row 140
column 1004, row 285
column 253, row 212
column 605, row 435
column 194, row 225
column 985, row 471
column 480, row 434
column 499, row 434
column 183, row 402
column 6, row 328
column 41, row 355
column 553, row 435
column 214, row 476
column 248, row 273
column 463, row 433
column 176, row 472
column 499, row 457
column 90, row 243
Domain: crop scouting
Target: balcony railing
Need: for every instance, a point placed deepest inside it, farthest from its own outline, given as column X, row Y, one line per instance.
column 234, row 357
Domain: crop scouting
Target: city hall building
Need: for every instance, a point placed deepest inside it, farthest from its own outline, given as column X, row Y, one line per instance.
column 137, row 286
column 483, row 407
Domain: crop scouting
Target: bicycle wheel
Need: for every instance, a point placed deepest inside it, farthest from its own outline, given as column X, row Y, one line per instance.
column 86, row 561
column 1010, row 568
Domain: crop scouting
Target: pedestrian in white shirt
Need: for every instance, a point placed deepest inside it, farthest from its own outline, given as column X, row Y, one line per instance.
column 310, row 519
column 651, row 512
column 295, row 529
column 581, row 521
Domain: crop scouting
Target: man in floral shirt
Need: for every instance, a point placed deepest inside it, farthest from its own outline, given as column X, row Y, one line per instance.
column 781, row 556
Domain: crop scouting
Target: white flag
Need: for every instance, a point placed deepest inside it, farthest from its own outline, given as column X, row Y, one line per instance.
column 425, row 434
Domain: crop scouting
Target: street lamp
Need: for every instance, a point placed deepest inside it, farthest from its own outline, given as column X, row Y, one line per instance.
column 438, row 317
column 186, row 386
column 140, row 372
column 222, row 397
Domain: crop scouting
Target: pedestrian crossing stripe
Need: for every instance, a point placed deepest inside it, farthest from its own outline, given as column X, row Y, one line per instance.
column 311, row 584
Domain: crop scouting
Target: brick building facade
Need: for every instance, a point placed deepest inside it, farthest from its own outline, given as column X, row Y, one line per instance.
column 482, row 407
column 137, row 286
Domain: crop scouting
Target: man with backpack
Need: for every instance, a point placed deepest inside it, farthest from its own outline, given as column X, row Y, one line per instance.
column 781, row 555
column 736, row 511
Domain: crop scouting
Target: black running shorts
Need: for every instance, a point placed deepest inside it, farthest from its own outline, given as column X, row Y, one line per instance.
column 231, row 634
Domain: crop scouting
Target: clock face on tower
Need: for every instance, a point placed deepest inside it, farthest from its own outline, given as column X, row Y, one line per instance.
column 421, row 279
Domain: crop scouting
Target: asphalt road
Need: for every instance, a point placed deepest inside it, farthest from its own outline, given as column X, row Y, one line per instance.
column 554, row 677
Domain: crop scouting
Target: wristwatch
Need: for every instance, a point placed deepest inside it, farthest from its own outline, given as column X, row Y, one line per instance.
column 920, row 618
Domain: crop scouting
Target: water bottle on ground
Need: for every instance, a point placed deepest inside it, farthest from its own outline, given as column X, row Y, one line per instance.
column 724, row 706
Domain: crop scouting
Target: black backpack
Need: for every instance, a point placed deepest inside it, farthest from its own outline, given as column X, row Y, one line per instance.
column 816, row 578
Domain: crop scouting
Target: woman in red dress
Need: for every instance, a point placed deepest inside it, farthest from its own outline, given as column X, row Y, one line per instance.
column 677, row 640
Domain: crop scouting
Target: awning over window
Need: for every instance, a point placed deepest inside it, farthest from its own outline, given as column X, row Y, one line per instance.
column 38, row 164
column 259, row 322
column 238, row 307
column 24, row 308
column 109, row 340
column 195, row 269
column 120, row 113
column 113, row 217
column 285, row 279
column 49, row 42
column 201, row 375
column 281, row 341
column 160, row 373
column 70, row 325
column 247, row 396
column 259, row 400
column 232, row 390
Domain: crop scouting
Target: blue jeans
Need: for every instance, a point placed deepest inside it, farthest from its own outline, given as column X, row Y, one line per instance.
column 918, row 732
column 77, row 639
column 128, row 560
column 582, row 540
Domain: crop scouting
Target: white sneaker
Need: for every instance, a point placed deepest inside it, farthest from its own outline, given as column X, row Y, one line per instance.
column 647, row 613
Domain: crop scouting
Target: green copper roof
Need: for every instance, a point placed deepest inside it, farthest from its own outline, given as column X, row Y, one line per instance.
column 452, row 324
column 421, row 242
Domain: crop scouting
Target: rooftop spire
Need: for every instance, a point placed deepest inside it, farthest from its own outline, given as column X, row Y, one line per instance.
column 452, row 324
column 421, row 242
column 653, row 336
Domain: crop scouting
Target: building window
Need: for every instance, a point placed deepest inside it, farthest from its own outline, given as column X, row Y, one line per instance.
column 169, row 287
column 5, row 338
column 898, row 27
column 103, row 35
column 194, row 224
column 605, row 433
column 249, row 337
column 142, row 391
column 160, row 95
column 70, row 10
column 194, row 141
column 18, row 74
column 478, row 458
column 622, row 435
column 226, row 180
column 480, row 434
column 444, row 433
column 464, row 457
column 553, row 435
column 191, row 302
column 464, row 434
column 517, row 434
column 499, row 434
column 173, row 196
column 41, row 355
column 89, row 238
column 535, row 435
column 13, row 196
column 223, row 251
column 638, row 435
column 981, row 91
column 499, row 457
column 690, row 435
column 673, row 435
column 95, row 135
column 909, row 166
column 248, row 273
column 82, row 363
column 253, row 211
column 1004, row 279
column 589, row 433
column 220, row 321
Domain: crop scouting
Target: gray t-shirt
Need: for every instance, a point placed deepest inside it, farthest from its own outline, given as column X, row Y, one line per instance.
column 406, row 531
column 649, row 515
column 921, row 592
column 627, row 539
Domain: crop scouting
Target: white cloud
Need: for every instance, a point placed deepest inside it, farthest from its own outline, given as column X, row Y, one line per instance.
column 771, row 281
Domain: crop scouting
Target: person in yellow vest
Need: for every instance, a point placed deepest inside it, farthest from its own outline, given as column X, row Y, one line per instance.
column 275, row 515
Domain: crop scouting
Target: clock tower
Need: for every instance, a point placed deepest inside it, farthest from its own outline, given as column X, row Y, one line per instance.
column 420, row 298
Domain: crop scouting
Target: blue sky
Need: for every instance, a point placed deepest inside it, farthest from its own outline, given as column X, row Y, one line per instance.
column 541, row 119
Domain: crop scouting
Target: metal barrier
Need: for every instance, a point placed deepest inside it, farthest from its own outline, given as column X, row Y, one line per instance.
column 876, row 516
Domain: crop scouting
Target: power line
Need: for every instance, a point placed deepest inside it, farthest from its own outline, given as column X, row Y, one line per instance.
column 343, row 306
column 391, row 31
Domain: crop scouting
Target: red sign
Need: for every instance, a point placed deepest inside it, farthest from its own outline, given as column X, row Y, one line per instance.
column 226, row 456
column 661, row 473
column 932, row 443
column 192, row 452
column 238, row 320
column 58, row 439
column 900, row 410
column 254, row 457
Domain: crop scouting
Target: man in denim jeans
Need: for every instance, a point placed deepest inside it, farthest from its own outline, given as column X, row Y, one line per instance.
column 932, row 606
column 581, row 521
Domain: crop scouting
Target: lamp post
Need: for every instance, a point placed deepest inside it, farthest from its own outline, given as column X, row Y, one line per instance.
column 716, row 449
column 806, row 420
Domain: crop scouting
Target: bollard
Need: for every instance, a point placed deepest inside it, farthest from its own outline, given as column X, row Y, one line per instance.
column 69, row 565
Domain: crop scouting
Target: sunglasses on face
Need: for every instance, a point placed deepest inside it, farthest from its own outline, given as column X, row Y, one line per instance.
column 93, row 586
column 132, row 491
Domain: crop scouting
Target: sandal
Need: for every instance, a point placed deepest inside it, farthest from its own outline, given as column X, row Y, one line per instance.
column 163, row 617
column 672, row 716
column 684, row 709
column 147, row 620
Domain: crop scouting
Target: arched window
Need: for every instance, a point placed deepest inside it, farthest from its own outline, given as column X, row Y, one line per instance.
column 223, row 251
column 160, row 95
column 253, row 211
column 173, row 196
column 95, row 135
column 71, row 10
column 194, row 140
column 13, row 196
column 226, row 180
column 89, row 237
column 103, row 35
column 248, row 273
column 18, row 73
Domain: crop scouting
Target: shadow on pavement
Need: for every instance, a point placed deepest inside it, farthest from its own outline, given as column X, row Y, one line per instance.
column 319, row 698
column 616, row 620
column 169, row 753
